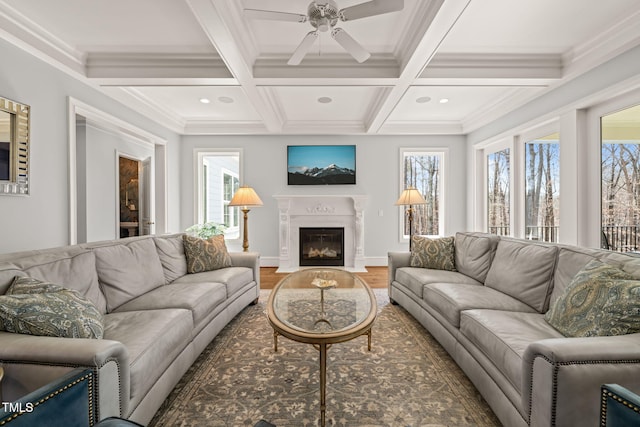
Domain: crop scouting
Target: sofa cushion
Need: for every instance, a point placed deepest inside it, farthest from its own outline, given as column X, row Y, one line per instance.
column 200, row 298
column 234, row 279
column 153, row 338
column 450, row 299
column 414, row 278
column 474, row 253
column 205, row 254
column 72, row 266
column 34, row 307
column 8, row 273
column 523, row 270
column 128, row 270
column 503, row 337
column 601, row 300
column 171, row 253
column 436, row 254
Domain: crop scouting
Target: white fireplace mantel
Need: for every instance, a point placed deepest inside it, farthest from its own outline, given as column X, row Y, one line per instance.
column 297, row 211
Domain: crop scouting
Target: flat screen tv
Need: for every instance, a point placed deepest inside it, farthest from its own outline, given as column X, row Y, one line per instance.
column 321, row 164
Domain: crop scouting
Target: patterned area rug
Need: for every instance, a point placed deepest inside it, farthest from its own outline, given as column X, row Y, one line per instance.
column 406, row 380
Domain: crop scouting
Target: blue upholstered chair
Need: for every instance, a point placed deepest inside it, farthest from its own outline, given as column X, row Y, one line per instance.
column 620, row 407
column 69, row 401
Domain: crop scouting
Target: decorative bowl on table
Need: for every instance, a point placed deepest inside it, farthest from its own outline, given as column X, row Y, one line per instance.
column 324, row 283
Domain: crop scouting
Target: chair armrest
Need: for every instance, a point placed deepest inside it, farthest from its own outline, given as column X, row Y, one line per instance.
column 562, row 376
column 619, row 406
column 31, row 362
column 68, row 401
column 247, row 259
column 395, row 261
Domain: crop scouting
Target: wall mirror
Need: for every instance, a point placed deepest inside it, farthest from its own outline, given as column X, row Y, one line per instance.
column 14, row 147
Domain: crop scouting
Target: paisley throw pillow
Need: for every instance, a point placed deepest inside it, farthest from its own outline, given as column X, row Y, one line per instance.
column 205, row 255
column 34, row 307
column 601, row 300
column 438, row 254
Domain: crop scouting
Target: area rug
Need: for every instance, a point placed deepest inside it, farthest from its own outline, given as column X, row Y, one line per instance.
column 407, row 379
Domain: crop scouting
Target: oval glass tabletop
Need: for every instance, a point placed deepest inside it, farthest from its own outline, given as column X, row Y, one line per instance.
column 322, row 301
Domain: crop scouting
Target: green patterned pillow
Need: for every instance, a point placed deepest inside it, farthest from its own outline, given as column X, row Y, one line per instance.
column 205, row 255
column 601, row 300
column 33, row 307
column 438, row 254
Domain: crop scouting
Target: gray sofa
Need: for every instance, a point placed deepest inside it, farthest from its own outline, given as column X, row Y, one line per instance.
column 157, row 318
column 489, row 316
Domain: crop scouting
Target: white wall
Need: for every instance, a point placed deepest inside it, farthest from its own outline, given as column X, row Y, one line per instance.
column 41, row 219
column 378, row 177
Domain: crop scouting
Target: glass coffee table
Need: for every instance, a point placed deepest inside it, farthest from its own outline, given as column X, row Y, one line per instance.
column 321, row 306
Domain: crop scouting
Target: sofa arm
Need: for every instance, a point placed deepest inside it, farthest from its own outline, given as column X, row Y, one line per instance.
column 397, row 260
column 562, row 377
column 31, row 362
column 247, row 259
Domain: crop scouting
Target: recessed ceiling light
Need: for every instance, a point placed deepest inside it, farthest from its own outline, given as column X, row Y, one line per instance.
column 444, row 100
column 225, row 99
column 205, row 100
column 423, row 100
column 324, row 100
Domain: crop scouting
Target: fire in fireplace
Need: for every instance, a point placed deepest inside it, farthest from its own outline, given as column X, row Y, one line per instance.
column 321, row 246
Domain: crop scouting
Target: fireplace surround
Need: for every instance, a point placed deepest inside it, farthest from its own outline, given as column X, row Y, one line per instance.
column 322, row 211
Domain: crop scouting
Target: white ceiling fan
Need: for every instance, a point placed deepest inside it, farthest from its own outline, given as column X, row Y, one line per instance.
column 323, row 16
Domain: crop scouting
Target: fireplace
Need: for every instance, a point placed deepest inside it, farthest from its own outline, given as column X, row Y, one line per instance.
column 321, row 246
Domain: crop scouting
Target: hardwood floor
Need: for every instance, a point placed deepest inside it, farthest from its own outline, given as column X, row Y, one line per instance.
column 376, row 277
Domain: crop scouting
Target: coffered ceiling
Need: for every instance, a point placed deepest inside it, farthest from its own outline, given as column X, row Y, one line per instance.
column 485, row 57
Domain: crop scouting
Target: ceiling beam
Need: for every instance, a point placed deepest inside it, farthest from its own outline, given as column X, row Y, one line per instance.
column 435, row 23
column 209, row 14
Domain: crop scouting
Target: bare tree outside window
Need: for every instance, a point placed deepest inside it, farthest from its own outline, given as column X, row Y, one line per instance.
column 542, row 178
column 498, row 166
column 423, row 170
column 621, row 180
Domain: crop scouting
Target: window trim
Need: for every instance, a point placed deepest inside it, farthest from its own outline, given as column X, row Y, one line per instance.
column 198, row 155
column 444, row 153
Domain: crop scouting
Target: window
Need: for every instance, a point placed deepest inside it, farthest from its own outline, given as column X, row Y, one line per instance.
column 498, row 189
column 424, row 170
column 620, row 162
column 542, row 177
column 217, row 181
column 231, row 183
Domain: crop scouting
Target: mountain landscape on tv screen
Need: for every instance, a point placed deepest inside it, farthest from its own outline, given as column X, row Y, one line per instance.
column 332, row 174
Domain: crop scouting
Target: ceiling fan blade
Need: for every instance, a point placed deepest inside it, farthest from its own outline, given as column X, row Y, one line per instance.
column 350, row 45
column 303, row 48
column 274, row 16
column 370, row 8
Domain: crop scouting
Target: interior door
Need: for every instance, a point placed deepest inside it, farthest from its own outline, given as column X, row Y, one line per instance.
column 147, row 210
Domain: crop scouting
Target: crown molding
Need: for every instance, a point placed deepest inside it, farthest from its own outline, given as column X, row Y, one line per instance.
column 332, row 127
column 613, row 41
column 135, row 100
column 411, row 127
column 511, row 100
column 493, row 66
column 156, row 65
column 221, row 127
column 27, row 35
column 327, row 66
